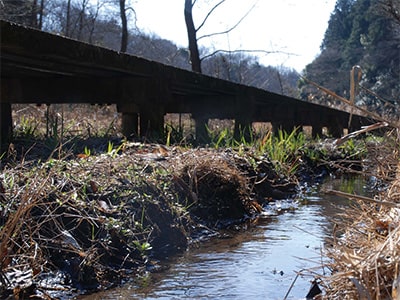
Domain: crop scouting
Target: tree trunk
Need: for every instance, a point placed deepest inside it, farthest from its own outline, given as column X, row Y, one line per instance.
column 81, row 19
column 124, row 36
column 191, row 30
column 40, row 25
column 33, row 22
column 67, row 26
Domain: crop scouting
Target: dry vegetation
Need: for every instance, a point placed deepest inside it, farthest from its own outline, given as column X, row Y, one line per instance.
column 85, row 216
column 365, row 246
column 76, row 218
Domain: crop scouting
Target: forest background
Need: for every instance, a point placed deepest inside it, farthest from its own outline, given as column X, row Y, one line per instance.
column 365, row 33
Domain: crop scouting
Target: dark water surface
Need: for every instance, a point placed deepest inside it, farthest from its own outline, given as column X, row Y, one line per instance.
column 259, row 263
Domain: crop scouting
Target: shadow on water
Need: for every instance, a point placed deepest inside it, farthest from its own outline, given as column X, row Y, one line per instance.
column 261, row 262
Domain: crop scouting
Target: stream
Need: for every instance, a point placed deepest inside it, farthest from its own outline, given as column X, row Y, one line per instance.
column 261, row 262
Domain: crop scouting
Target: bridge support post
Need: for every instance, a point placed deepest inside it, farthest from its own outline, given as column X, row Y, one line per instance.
column 152, row 125
column 5, row 124
column 286, row 126
column 242, row 130
column 201, row 133
column 316, row 130
column 335, row 130
column 244, row 115
column 130, row 124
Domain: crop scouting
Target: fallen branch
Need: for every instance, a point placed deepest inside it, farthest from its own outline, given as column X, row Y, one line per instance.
column 364, row 129
column 362, row 198
column 361, row 110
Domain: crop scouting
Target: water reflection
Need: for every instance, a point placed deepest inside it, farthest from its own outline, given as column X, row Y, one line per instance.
column 260, row 263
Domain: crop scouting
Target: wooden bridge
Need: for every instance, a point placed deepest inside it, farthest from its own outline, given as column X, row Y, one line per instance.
column 39, row 67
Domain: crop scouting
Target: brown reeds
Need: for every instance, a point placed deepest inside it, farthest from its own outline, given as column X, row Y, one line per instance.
column 365, row 250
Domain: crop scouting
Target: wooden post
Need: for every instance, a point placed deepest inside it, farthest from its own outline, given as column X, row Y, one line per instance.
column 284, row 126
column 152, row 124
column 202, row 136
column 242, row 129
column 5, row 125
column 130, row 124
column 335, row 130
column 316, row 130
column 243, row 116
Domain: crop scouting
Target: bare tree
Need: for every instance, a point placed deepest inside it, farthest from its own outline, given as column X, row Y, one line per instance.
column 68, row 18
column 192, row 36
column 19, row 11
column 81, row 18
column 33, row 14
column 37, row 14
column 192, row 31
column 41, row 11
column 94, row 13
column 124, row 22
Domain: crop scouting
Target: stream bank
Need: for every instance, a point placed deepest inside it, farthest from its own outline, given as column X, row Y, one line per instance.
column 260, row 261
column 90, row 222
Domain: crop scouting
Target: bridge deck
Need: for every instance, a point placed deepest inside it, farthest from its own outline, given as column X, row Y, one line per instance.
column 38, row 67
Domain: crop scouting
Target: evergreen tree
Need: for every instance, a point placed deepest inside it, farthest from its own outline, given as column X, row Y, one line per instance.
column 359, row 33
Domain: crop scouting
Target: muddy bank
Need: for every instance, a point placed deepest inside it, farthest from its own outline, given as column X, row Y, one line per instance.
column 86, row 222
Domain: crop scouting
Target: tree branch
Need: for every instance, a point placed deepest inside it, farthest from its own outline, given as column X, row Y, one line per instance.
column 209, row 13
column 246, row 51
column 230, row 29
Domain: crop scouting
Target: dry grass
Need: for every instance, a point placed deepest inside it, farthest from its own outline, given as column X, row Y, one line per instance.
column 66, row 120
column 364, row 252
column 96, row 218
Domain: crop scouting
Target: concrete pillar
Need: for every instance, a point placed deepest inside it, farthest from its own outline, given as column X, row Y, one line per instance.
column 130, row 124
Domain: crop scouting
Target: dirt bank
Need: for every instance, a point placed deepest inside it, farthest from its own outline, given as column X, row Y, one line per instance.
column 87, row 222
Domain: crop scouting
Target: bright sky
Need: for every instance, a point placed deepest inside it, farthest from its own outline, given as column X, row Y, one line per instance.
column 290, row 26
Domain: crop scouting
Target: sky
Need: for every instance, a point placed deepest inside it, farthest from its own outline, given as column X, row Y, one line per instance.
column 293, row 28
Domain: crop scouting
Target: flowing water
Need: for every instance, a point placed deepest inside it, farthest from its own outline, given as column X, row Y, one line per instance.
column 261, row 262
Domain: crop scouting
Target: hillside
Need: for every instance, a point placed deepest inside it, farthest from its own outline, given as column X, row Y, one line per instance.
column 364, row 33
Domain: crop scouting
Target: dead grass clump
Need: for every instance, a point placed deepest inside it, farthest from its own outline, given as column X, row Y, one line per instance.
column 90, row 221
column 365, row 250
column 383, row 156
column 212, row 185
column 93, row 219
